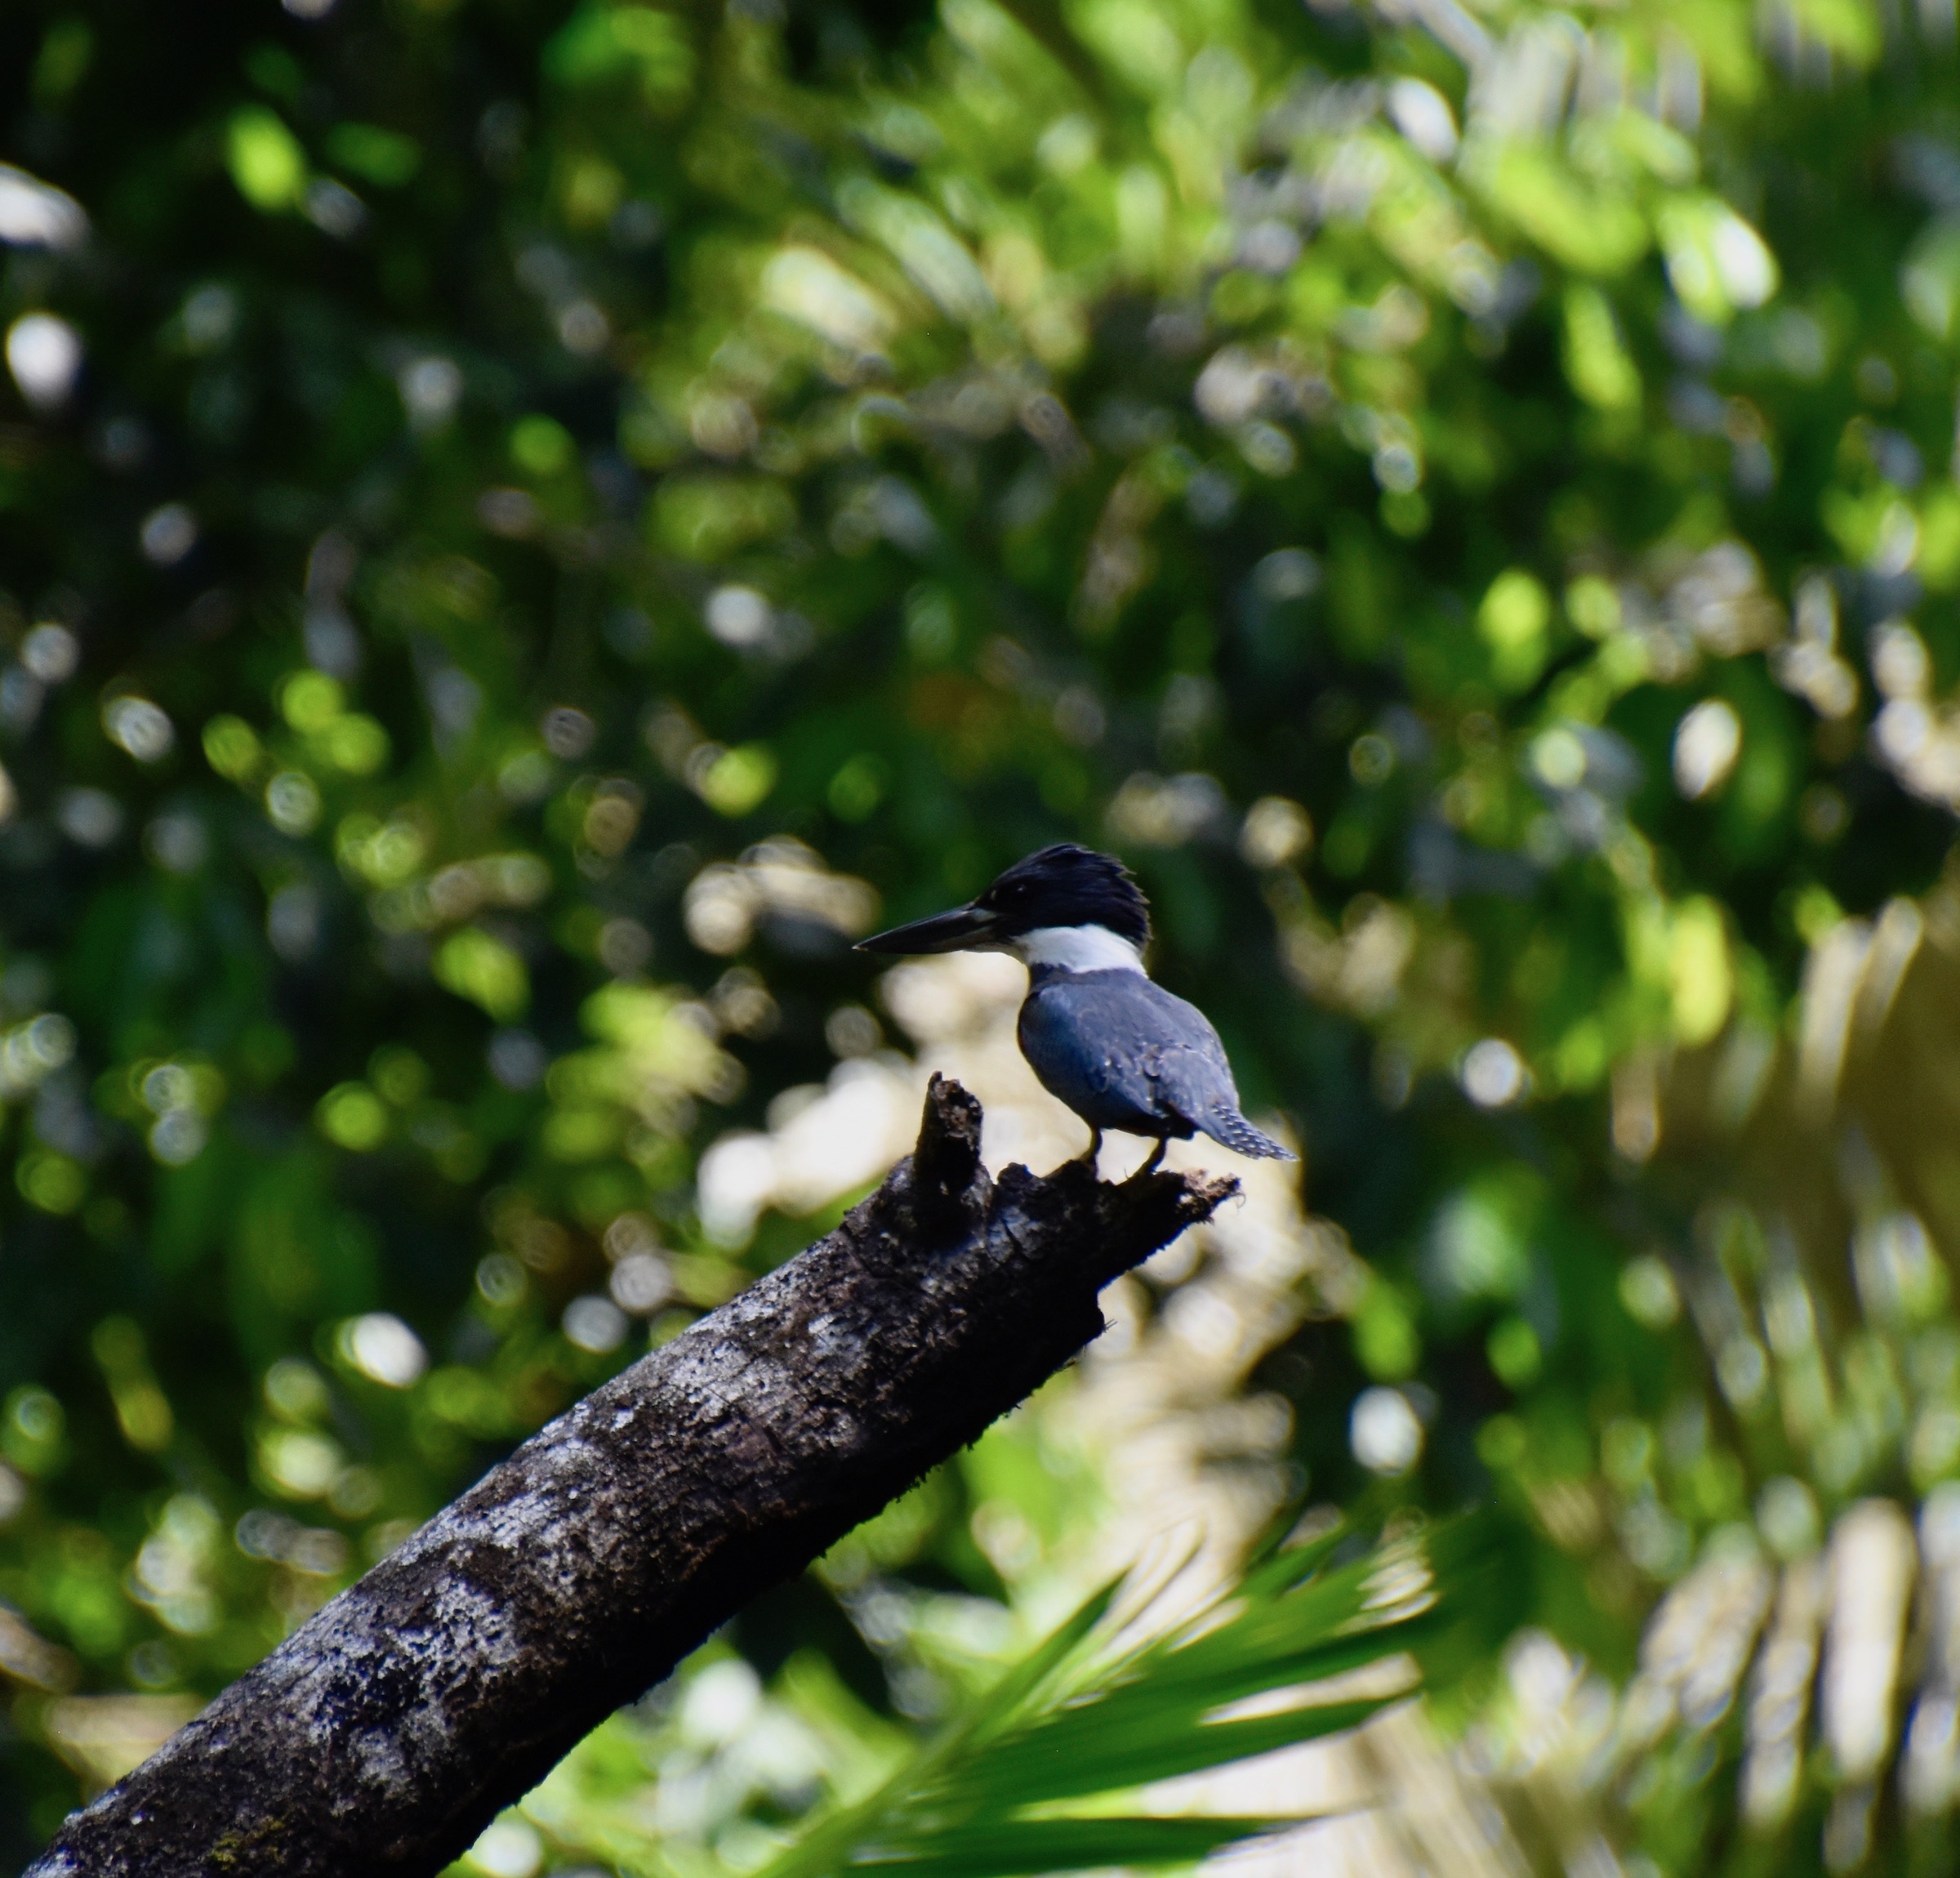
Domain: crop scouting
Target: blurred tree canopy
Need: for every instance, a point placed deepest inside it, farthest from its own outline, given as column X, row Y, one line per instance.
column 525, row 527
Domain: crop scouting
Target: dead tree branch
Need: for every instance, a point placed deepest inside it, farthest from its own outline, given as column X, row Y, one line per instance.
column 383, row 1736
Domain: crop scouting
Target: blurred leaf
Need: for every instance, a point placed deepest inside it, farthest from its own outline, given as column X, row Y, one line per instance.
column 1110, row 1704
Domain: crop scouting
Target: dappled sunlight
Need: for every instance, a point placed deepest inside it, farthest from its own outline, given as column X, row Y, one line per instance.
column 527, row 534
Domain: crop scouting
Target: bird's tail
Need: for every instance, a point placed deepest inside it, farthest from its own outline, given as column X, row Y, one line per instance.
column 1230, row 1129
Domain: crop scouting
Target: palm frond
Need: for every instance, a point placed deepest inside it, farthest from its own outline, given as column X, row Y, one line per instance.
column 1042, row 1773
column 989, row 1848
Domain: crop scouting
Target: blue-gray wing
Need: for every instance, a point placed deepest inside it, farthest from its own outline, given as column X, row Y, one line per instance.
column 1126, row 1054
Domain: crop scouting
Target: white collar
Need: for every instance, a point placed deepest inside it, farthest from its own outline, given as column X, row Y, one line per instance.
column 1077, row 948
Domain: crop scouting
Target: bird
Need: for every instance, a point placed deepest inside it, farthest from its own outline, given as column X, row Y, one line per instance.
column 1099, row 1032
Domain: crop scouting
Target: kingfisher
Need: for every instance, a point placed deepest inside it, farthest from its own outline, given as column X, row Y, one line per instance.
column 1118, row 1048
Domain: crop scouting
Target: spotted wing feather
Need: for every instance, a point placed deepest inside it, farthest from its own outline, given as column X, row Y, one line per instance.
column 1124, row 1054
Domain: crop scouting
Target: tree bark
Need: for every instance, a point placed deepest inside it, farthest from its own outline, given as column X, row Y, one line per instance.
column 383, row 1736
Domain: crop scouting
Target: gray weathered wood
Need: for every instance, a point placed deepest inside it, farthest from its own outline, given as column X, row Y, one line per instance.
column 384, row 1735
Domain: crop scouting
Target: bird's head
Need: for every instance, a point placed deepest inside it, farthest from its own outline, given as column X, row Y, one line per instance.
column 1033, row 908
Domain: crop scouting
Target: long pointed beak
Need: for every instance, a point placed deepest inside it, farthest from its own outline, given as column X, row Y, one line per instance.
column 956, row 931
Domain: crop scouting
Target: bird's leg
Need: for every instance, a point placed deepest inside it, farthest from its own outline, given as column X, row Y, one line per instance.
column 1095, row 1147
column 1156, row 1160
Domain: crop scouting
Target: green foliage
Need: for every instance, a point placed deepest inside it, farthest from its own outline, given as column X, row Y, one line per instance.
column 1078, row 1722
column 525, row 528
column 1057, row 1762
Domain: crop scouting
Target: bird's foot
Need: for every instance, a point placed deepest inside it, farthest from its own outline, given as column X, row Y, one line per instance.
column 1151, row 1165
column 1093, row 1153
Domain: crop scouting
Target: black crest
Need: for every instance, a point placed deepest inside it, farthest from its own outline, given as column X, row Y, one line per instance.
column 1067, row 885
